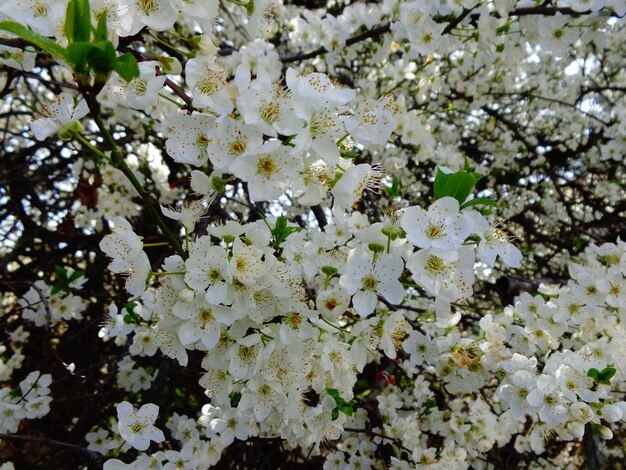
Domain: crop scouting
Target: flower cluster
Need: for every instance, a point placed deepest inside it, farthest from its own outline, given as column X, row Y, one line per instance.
column 381, row 233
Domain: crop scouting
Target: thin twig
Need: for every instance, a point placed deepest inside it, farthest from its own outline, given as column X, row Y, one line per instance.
column 92, row 455
column 395, row 440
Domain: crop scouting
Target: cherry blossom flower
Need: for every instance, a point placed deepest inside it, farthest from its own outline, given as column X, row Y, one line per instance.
column 155, row 14
column 61, row 117
column 137, row 426
column 366, row 277
column 126, row 249
column 441, row 227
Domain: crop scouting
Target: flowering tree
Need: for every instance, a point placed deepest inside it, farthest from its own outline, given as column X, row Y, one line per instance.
column 265, row 233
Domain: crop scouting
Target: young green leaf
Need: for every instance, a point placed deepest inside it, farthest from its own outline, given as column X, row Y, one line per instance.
column 440, row 182
column 281, row 230
column 458, row 185
column 60, row 272
column 479, row 201
column 78, row 21
column 604, row 376
column 342, row 405
column 42, row 42
column 101, row 56
column 126, row 66
column 394, row 189
column 101, row 33
column 63, row 281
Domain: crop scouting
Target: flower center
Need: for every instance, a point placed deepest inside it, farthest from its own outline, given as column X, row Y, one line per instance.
column 270, row 113
column 245, row 353
column 206, row 315
column 265, row 390
column 549, row 400
column 237, row 147
column 140, row 86
column 369, row 283
column 266, row 167
column 40, row 9
column 435, row 265
column 149, row 6
column 137, row 427
column 609, row 260
column 215, row 275
column 433, row 232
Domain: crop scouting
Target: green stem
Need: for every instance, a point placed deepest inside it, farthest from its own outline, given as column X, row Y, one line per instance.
column 345, row 136
column 118, row 162
column 87, row 144
column 149, row 245
column 165, row 97
column 334, row 326
column 168, row 45
column 410, row 284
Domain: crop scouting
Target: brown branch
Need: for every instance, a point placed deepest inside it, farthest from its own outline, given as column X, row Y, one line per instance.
column 92, row 455
column 385, row 28
column 372, row 33
column 180, row 92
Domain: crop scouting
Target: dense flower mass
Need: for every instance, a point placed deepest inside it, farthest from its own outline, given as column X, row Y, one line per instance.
column 348, row 234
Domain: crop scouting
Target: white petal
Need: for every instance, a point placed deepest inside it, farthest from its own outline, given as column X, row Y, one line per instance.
column 364, row 303
column 392, row 291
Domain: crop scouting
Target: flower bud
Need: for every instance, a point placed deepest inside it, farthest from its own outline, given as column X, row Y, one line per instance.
column 611, row 413
column 576, row 429
column 329, row 270
column 187, row 295
column 605, row 433
column 171, row 65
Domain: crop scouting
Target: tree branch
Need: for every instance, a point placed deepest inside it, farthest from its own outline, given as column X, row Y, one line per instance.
column 93, row 456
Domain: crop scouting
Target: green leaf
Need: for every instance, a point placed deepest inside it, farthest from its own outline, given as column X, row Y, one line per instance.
column 63, row 282
column 98, row 56
column 429, row 404
column 281, row 230
column 458, row 185
column 78, row 21
column 345, row 408
column 60, row 272
column 42, row 42
column 479, row 201
column 131, row 316
column 350, row 154
column 75, row 275
column 77, row 52
column 101, row 56
column 58, row 287
column 440, row 182
column 593, row 373
column 130, row 307
column 577, row 241
column 342, row 405
column 234, row 398
column 101, row 33
column 126, row 66
column 604, row 376
column 394, row 189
